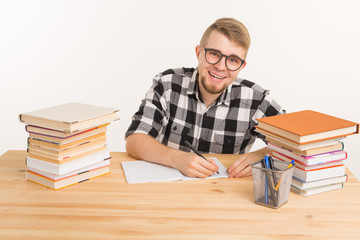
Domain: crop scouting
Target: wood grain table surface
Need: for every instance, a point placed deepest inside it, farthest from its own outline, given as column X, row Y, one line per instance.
column 109, row 208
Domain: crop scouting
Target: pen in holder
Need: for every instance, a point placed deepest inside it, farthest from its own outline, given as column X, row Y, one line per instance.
column 271, row 181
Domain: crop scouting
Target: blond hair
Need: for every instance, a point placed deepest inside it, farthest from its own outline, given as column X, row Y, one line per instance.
column 232, row 29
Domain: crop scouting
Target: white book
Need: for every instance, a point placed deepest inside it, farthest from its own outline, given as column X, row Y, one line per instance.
column 316, row 190
column 56, row 177
column 302, row 185
column 145, row 172
column 313, row 175
column 74, row 165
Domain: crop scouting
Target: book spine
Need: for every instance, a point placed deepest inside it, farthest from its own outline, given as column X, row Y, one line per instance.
column 20, row 118
column 337, row 152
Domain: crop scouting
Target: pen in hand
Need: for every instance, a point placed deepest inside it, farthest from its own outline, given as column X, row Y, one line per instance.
column 196, row 152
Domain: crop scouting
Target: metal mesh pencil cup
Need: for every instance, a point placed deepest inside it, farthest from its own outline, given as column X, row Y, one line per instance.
column 272, row 186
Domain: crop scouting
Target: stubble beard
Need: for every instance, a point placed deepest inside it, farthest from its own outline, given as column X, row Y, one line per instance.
column 211, row 89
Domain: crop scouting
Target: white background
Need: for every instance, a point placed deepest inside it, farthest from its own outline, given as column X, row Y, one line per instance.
column 107, row 52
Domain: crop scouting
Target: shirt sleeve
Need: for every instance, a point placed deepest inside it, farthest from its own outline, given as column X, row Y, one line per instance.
column 151, row 116
column 268, row 107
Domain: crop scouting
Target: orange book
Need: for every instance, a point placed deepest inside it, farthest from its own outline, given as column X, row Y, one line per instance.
column 69, row 151
column 306, row 126
column 64, row 159
column 62, row 183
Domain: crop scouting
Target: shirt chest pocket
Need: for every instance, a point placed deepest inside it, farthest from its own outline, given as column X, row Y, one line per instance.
column 179, row 128
column 177, row 132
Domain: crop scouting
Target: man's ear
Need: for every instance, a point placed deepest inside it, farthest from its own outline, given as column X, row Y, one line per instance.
column 243, row 65
column 197, row 51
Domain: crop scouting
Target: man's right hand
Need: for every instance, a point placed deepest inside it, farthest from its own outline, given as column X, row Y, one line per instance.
column 192, row 165
column 144, row 147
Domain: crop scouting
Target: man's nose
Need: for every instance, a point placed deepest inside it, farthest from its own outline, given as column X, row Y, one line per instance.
column 221, row 65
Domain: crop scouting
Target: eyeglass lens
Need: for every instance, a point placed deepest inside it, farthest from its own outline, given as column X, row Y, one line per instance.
column 214, row 56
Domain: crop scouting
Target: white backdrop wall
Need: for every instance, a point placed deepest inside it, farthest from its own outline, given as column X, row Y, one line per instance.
column 107, row 52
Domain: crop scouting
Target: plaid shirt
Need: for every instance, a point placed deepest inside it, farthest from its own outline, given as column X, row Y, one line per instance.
column 173, row 112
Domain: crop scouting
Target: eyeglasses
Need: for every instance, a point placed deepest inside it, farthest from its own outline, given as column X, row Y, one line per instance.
column 232, row 62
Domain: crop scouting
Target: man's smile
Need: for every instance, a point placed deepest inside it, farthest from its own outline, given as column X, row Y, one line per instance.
column 217, row 76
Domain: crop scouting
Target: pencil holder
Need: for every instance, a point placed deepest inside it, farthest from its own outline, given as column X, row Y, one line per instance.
column 272, row 186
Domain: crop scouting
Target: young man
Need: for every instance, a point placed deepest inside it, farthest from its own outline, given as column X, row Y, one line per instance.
column 207, row 106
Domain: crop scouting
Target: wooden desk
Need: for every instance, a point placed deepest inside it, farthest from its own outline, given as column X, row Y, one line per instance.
column 109, row 208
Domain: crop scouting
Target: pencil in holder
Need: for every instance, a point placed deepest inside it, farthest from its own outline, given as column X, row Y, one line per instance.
column 272, row 186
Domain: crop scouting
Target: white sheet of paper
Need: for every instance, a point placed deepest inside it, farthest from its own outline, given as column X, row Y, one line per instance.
column 143, row 172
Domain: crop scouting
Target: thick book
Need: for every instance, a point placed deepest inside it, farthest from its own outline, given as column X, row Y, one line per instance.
column 298, row 183
column 300, row 147
column 318, row 173
column 307, row 126
column 329, row 147
column 61, row 134
column 308, row 160
column 65, row 168
column 144, row 172
column 57, row 149
column 316, row 190
column 69, row 140
column 66, row 182
column 70, row 117
column 62, row 159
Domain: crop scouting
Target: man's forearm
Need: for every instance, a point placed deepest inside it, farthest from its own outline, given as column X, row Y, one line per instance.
column 142, row 146
column 261, row 153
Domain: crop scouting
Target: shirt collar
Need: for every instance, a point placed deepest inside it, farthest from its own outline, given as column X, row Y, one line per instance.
column 192, row 84
column 225, row 96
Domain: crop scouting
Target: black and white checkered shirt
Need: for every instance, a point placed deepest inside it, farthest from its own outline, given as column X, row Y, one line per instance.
column 173, row 112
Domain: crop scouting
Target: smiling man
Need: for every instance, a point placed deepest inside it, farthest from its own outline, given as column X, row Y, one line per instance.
column 208, row 106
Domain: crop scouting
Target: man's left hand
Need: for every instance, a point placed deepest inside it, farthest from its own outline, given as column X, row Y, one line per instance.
column 241, row 167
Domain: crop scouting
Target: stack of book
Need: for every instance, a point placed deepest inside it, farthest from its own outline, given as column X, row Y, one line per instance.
column 313, row 140
column 67, row 144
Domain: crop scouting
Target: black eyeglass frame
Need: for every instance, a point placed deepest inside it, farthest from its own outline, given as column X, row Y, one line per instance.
column 226, row 58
